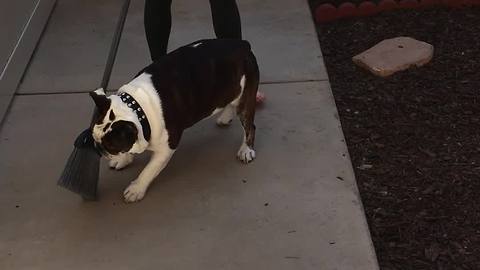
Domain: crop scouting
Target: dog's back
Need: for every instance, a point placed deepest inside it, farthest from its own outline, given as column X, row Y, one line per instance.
column 195, row 80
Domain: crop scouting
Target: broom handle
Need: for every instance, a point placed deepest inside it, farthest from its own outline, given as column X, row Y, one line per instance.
column 113, row 51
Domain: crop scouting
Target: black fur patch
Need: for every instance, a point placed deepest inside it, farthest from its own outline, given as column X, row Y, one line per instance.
column 106, row 127
column 194, row 81
column 121, row 138
column 103, row 104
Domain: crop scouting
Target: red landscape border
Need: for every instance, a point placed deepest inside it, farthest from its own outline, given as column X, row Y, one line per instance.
column 327, row 12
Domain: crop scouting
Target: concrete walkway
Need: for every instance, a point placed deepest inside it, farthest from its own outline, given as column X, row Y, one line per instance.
column 296, row 207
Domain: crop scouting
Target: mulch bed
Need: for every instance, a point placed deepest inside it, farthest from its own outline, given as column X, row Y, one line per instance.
column 338, row 2
column 414, row 138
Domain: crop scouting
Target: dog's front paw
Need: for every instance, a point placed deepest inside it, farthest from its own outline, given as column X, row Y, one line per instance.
column 120, row 161
column 134, row 192
column 246, row 154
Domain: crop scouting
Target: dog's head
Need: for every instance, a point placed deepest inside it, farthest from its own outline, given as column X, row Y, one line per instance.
column 117, row 129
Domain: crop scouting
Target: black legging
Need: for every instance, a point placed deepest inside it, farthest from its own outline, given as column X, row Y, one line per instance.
column 158, row 21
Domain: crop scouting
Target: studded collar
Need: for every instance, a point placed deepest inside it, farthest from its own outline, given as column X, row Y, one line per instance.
column 133, row 104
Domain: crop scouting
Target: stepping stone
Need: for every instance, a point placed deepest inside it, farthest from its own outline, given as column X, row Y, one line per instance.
column 396, row 54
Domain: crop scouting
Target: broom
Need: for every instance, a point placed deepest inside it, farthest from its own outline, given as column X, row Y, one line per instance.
column 81, row 172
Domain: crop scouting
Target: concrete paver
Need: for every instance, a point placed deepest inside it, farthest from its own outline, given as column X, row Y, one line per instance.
column 282, row 36
column 72, row 53
column 393, row 55
column 22, row 26
column 4, row 103
column 287, row 210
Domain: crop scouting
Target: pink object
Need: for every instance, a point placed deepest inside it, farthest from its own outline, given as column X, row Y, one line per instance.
column 454, row 3
column 386, row 5
column 260, row 97
column 346, row 10
column 429, row 3
column 470, row 2
column 409, row 4
column 367, row 8
column 325, row 13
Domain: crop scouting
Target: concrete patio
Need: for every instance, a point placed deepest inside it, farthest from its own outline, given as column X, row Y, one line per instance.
column 295, row 207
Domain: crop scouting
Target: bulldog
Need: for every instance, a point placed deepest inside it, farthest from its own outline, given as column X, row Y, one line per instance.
column 150, row 113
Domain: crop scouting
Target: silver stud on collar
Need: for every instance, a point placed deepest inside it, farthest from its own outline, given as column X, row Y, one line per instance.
column 135, row 107
column 133, row 104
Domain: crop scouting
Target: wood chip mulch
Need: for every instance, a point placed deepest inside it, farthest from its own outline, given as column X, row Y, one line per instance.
column 414, row 137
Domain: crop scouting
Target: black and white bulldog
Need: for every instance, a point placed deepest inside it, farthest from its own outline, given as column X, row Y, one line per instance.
column 189, row 84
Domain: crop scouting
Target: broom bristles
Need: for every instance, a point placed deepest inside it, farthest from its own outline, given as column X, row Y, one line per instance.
column 82, row 169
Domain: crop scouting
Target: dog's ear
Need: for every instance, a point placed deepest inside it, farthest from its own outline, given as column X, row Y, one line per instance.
column 101, row 100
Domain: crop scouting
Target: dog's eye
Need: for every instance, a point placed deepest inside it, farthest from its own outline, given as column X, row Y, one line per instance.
column 111, row 116
column 106, row 127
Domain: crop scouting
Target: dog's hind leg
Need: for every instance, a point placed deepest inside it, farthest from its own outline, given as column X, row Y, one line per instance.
column 246, row 110
column 228, row 112
column 246, row 153
column 226, row 115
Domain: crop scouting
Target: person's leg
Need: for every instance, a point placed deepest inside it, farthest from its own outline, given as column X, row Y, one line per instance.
column 226, row 19
column 157, row 21
column 227, row 24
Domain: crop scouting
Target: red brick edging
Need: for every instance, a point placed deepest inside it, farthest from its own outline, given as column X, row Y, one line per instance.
column 327, row 12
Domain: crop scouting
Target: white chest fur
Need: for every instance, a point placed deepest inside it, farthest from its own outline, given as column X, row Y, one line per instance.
column 142, row 90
